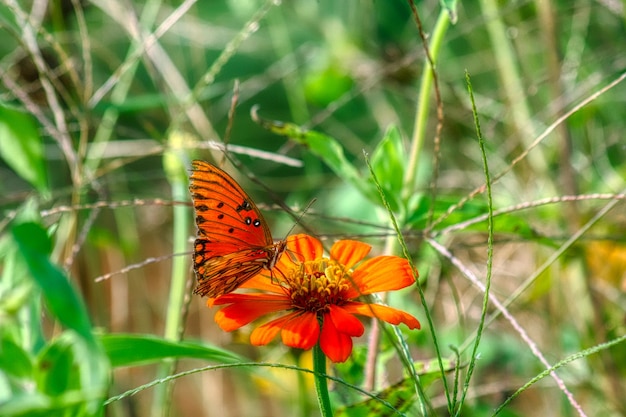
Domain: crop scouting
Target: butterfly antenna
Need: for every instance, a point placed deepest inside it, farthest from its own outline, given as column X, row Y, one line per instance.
column 300, row 216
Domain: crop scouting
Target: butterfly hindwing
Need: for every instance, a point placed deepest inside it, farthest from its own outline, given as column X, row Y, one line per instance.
column 221, row 274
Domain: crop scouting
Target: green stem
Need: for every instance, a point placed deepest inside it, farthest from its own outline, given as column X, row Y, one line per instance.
column 175, row 170
column 481, row 322
column 423, row 104
column 321, row 383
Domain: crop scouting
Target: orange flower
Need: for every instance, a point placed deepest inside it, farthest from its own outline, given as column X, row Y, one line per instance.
column 319, row 296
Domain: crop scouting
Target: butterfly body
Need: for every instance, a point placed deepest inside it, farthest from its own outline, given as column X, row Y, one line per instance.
column 234, row 242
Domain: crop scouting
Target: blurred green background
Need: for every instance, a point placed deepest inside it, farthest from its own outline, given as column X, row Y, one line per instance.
column 106, row 102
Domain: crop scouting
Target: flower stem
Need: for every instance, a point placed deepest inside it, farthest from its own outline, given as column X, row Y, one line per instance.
column 321, row 383
column 423, row 106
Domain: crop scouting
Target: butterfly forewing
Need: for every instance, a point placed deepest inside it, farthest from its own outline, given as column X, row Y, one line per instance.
column 234, row 243
column 223, row 210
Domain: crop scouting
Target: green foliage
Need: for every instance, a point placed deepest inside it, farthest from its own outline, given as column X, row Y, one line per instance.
column 399, row 398
column 62, row 375
column 103, row 107
column 326, row 85
column 14, row 361
column 389, row 164
column 21, row 147
column 133, row 350
column 388, row 160
column 63, row 301
column 65, row 375
column 328, row 149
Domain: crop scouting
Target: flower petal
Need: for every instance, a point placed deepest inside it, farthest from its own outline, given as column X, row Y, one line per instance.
column 388, row 314
column 349, row 252
column 233, row 298
column 345, row 322
column 265, row 281
column 304, row 247
column 264, row 334
column 335, row 344
column 382, row 273
column 246, row 308
column 285, row 263
column 302, row 331
column 300, row 248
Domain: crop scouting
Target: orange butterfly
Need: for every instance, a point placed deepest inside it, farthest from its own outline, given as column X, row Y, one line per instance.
column 234, row 242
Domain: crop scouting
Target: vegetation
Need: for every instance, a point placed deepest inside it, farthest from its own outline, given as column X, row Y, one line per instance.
column 483, row 142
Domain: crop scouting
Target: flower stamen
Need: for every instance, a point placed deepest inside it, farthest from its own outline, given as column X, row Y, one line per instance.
column 315, row 285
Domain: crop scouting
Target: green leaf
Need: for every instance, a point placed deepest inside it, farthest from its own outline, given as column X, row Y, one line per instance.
column 331, row 152
column 27, row 405
column 324, row 147
column 14, row 361
column 13, row 299
column 388, row 162
column 57, row 368
column 15, row 290
column 69, row 378
column 20, row 298
column 21, row 147
column 73, row 368
column 62, row 300
column 419, row 210
column 130, row 349
column 324, row 85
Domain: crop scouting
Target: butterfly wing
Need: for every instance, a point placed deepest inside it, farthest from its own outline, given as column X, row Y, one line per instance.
column 234, row 242
column 218, row 275
column 224, row 212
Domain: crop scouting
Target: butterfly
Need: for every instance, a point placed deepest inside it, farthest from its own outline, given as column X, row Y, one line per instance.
column 234, row 242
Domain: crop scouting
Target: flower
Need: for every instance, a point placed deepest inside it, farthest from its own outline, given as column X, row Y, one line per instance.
column 318, row 296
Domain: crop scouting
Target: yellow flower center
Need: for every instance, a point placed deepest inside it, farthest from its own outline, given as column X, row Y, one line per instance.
column 314, row 285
